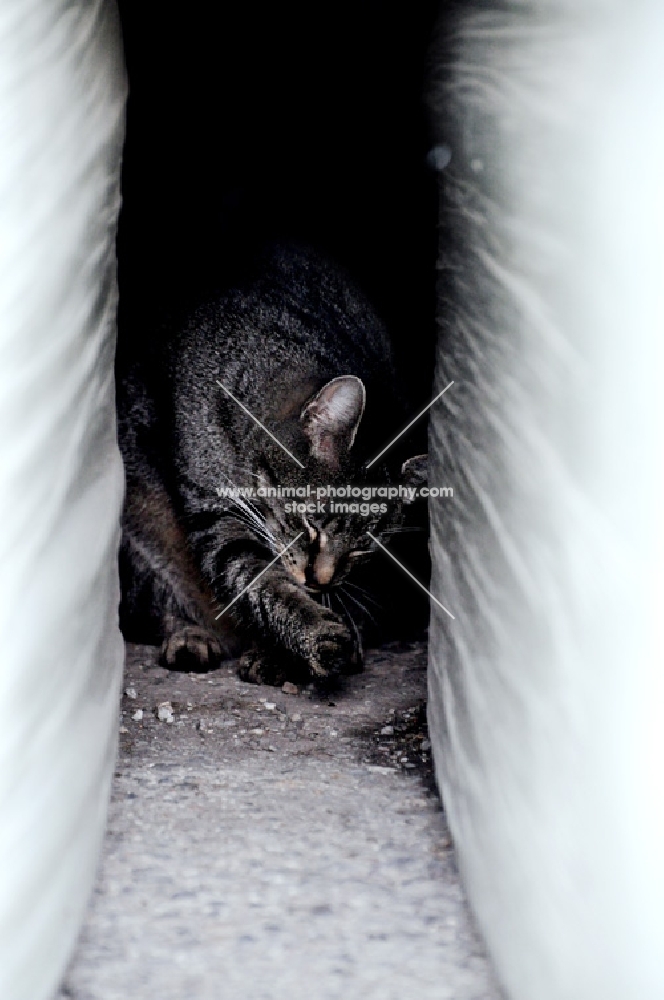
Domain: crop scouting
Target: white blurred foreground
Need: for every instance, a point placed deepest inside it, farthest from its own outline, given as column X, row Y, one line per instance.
column 61, row 125
column 547, row 691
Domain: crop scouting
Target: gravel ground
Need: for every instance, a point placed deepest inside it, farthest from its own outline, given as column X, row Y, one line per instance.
column 267, row 844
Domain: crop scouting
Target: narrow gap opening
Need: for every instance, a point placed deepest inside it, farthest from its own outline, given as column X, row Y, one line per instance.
column 253, row 123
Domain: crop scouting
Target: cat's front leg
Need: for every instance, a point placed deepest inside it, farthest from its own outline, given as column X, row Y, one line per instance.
column 296, row 625
column 326, row 656
column 329, row 646
column 287, row 624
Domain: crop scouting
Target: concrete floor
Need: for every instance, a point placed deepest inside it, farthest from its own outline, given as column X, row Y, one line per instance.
column 266, row 845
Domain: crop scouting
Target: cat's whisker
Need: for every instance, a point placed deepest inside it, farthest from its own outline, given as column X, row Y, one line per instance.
column 261, row 529
column 253, row 519
column 247, row 472
column 365, row 593
column 263, row 534
column 247, row 513
column 351, row 619
column 239, row 498
column 254, row 513
column 245, row 518
column 359, row 604
column 266, row 537
column 240, row 468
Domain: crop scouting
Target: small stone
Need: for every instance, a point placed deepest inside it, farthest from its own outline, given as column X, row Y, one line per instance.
column 403, row 760
column 296, row 718
column 123, row 730
column 289, row 688
column 131, row 693
column 256, row 732
column 387, row 731
column 426, row 745
column 165, row 711
column 273, row 749
column 200, row 725
column 333, row 732
column 138, row 715
column 439, row 157
column 270, row 706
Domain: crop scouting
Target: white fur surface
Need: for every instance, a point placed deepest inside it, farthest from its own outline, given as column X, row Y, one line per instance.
column 62, row 94
column 546, row 696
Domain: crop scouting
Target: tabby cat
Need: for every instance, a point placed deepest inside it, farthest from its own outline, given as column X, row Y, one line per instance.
column 286, row 380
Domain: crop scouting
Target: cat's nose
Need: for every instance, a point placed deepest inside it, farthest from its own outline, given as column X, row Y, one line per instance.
column 323, row 568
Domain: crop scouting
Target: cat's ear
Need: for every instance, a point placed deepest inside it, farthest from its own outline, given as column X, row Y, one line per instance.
column 330, row 420
column 414, row 472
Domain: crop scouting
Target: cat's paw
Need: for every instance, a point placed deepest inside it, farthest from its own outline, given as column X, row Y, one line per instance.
column 191, row 648
column 259, row 668
column 333, row 651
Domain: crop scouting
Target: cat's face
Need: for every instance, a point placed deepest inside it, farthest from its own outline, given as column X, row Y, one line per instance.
column 323, row 536
column 329, row 545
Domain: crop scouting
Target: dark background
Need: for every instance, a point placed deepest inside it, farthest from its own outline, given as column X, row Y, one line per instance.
column 252, row 121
